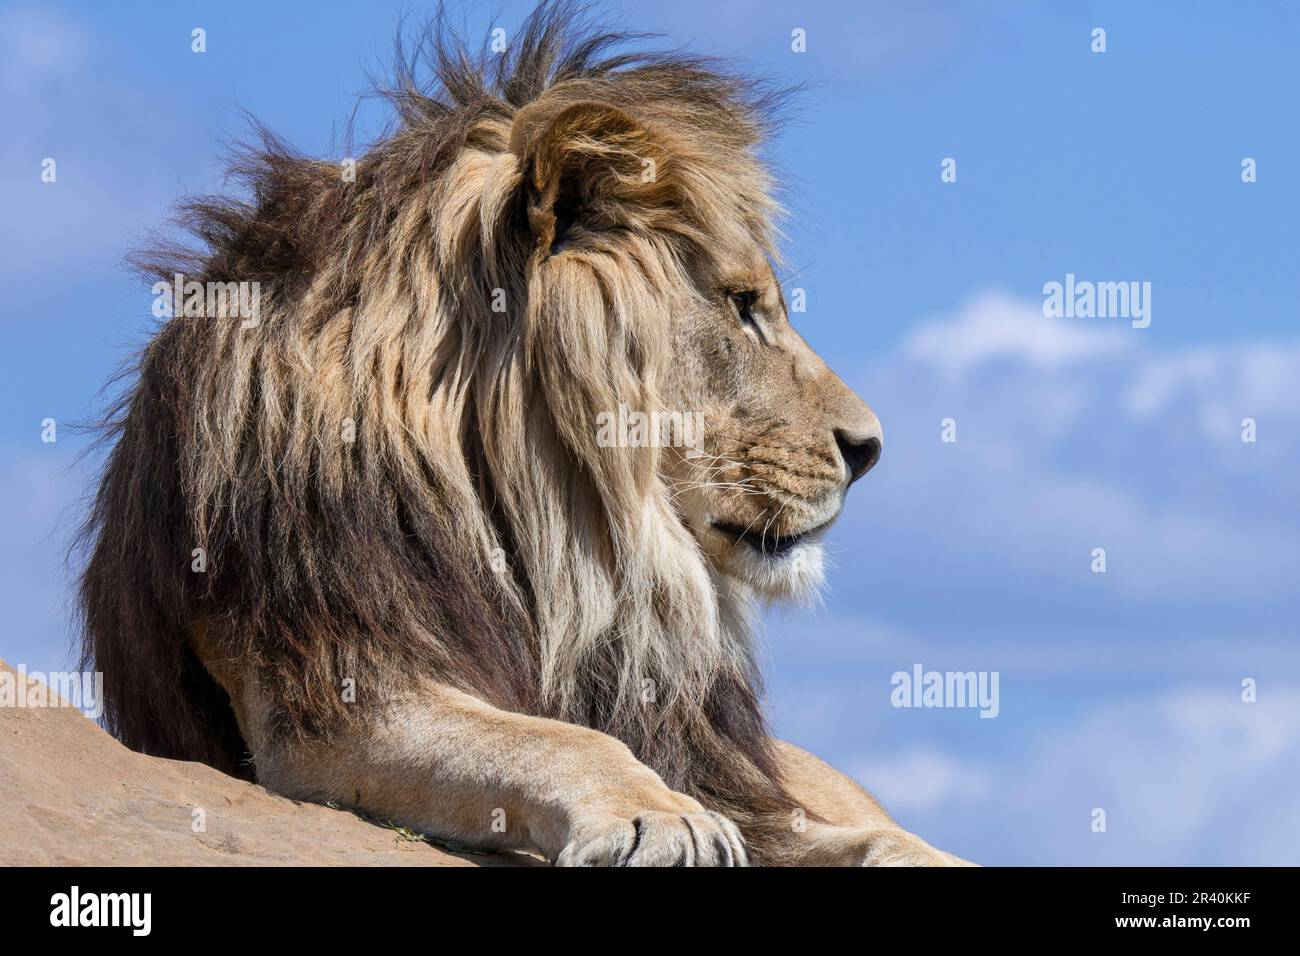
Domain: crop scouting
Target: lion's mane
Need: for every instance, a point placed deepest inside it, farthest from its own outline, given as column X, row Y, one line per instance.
column 386, row 479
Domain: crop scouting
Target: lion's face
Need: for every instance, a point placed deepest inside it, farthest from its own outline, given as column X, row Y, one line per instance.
column 783, row 437
column 665, row 278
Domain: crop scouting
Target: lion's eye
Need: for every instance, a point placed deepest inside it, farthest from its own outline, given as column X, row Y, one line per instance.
column 743, row 303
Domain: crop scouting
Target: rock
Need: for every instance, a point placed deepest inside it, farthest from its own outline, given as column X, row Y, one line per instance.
column 71, row 795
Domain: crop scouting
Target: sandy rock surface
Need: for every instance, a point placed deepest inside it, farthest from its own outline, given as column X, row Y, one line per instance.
column 72, row 795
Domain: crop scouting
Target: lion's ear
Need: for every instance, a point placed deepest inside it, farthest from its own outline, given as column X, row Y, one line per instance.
column 590, row 166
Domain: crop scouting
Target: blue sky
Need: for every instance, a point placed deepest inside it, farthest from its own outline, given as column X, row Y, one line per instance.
column 1119, row 691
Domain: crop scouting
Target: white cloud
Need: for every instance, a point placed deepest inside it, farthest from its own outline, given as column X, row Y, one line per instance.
column 1216, row 387
column 1073, row 436
column 1189, row 776
column 1181, row 776
column 923, row 779
column 994, row 326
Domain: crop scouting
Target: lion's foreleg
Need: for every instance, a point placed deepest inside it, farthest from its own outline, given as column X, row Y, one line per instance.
column 450, row 765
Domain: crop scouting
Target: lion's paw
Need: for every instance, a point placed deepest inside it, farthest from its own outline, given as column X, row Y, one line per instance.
column 655, row 838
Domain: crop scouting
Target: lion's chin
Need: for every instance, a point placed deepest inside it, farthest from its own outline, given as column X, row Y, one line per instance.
column 796, row 574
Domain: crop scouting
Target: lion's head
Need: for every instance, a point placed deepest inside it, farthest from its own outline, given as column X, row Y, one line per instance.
column 425, row 457
column 647, row 206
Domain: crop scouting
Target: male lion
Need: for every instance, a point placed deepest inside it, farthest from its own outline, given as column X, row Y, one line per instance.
column 368, row 547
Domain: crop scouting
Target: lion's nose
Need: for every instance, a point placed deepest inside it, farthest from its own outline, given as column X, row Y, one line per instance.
column 860, row 451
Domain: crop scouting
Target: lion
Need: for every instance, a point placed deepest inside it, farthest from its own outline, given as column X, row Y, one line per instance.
column 367, row 549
